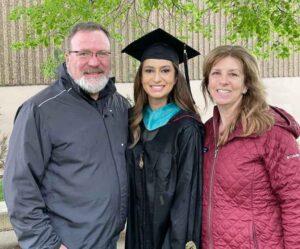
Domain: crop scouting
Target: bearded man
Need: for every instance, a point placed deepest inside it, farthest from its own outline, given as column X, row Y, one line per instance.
column 65, row 177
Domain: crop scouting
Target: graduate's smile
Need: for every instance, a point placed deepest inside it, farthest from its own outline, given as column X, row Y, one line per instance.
column 158, row 79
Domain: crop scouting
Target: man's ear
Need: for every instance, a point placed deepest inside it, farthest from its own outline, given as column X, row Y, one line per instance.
column 67, row 57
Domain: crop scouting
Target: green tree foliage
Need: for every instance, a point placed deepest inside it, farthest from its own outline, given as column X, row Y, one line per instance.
column 1, row 191
column 274, row 25
column 3, row 150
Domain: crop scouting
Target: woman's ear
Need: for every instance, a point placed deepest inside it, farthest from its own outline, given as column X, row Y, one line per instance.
column 245, row 90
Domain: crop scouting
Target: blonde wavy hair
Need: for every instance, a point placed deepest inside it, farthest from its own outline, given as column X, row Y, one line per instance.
column 180, row 95
column 253, row 112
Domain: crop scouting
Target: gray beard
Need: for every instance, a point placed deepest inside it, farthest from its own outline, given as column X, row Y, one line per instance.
column 92, row 85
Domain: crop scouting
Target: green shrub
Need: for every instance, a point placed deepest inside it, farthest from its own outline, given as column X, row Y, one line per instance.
column 1, row 191
column 3, row 150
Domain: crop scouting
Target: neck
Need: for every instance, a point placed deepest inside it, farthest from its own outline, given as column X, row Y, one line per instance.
column 227, row 115
column 94, row 96
column 154, row 104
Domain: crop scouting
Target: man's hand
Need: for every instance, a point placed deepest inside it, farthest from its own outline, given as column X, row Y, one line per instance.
column 63, row 247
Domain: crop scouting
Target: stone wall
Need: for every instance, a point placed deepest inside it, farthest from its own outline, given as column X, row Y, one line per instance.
column 282, row 92
column 24, row 67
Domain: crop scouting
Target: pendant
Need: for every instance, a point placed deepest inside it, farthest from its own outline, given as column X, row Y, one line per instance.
column 141, row 161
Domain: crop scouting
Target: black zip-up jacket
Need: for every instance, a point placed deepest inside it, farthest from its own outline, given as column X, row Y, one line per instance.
column 65, row 177
column 165, row 182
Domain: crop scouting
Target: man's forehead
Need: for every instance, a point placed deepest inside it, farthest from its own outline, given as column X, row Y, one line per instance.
column 95, row 37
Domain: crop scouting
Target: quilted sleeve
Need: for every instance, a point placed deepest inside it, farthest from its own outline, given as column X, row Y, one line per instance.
column 186, row 207
column 282, row 159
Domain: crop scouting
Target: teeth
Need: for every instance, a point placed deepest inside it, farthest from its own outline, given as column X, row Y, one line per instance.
column 93, row 71
column 223, row 91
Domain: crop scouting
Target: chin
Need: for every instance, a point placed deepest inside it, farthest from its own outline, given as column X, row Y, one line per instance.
column 93, row 85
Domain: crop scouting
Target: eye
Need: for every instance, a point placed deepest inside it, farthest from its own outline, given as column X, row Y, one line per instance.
column 215, row 73
column 165, row 70
column 84, row 53
column 233, row 74
column 103, row 54
column 148, row 70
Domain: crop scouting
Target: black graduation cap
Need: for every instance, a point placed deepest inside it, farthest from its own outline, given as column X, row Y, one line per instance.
column 158, row 44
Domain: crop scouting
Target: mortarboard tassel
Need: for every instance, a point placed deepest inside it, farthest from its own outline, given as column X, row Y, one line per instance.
column 186, row 70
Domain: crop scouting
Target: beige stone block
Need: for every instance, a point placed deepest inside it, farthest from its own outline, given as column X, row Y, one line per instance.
column 5, row 224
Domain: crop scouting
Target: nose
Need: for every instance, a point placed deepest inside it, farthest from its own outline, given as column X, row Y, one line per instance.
column 157, row 77
column 93, row 61
column 223, row 79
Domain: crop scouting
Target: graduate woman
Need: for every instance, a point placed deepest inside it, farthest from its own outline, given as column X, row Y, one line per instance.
column 164, row 157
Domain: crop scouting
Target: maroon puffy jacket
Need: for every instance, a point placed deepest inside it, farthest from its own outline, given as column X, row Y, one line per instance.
column 252, row 187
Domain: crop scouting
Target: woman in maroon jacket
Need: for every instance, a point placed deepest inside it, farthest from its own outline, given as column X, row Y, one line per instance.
column 252, row 161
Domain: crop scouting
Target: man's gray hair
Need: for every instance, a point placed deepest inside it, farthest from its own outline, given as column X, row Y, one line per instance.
column 86, row 26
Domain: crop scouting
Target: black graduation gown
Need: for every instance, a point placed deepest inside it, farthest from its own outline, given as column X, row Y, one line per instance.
column 165, row 181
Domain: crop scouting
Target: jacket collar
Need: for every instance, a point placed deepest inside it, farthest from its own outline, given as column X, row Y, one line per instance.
column 237, row 132
column 282, row 119
column 285, row 121
column 69, row 83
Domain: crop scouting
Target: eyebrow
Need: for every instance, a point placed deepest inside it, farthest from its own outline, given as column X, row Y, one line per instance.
column 88, row 50
column 165, row 66
column 230, row 70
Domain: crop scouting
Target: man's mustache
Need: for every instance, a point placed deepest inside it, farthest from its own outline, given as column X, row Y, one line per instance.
column 93, row 70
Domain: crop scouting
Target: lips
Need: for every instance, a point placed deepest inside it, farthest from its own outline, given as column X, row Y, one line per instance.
column 157, row 88
column 96, row 71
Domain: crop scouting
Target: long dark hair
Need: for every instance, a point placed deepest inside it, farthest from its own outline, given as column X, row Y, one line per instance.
column 180, row 95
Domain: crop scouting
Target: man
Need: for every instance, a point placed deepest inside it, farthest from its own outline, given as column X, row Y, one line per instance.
column 65, row 179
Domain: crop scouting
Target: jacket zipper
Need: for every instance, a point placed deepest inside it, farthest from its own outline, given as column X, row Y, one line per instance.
column 210, row 199
column 113, row 157
column 254, row 237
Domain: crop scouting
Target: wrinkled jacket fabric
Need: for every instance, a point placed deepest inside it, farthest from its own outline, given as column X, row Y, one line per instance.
column 165, row 186
column 65, row 177
column 251, row 193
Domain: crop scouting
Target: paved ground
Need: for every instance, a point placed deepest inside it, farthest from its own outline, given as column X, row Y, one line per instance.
column 8, row 240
